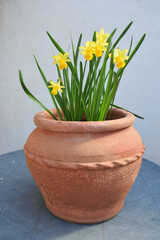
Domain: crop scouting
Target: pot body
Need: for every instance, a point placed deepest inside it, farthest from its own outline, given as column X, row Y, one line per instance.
column 84, row 173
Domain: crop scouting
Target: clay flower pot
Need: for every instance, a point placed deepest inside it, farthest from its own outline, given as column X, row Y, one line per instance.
column 84, row 170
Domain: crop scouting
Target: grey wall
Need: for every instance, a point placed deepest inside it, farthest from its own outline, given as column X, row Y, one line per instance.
column 23, row 26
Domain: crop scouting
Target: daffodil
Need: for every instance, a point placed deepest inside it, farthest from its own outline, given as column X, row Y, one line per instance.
column 62, row 59
column 88, row 50
column 99, row 47
column 118, row 53
column 102, row 36
column 120, row 63
column 119, row 57
column 55, row 87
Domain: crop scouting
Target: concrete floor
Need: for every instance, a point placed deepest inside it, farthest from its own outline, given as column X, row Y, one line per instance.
column 23, row 215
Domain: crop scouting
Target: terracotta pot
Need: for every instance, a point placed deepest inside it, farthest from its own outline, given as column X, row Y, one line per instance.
column 84, row 170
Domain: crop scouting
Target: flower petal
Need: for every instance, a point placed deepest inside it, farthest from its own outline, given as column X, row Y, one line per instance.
column 87, row 44
column 124, row 52
column 51, row 82
column 125, row 58
column 57, row 58
column 66, row 55
column 83, row 52
column 50, row 86
column 67, row 60
column 82, row 48
column 102, row 31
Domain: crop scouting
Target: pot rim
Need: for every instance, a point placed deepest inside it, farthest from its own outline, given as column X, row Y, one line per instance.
column 123, row 120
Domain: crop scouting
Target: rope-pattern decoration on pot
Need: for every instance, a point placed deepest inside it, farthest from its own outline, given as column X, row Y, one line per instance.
column 95, row 165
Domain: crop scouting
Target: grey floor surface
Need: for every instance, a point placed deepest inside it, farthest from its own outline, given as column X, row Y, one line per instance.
column 23, row 215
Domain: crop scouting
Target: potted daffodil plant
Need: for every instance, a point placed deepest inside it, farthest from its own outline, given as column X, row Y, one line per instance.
column 85, row 154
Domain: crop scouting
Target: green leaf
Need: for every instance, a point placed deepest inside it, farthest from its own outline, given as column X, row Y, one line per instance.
column 111, row 35
column 78, row 107
column 55, row 44
column 78, row 45
column 63, row 106
column 85, row 109
column 94, row 36
column 127, row 111
column 106, row 104
column 132, row 54
column 73, row 52
column 31, row 95
column 122, row 34
column 46, row 83
column 130, row 46
column 97, row 94
column 69, row 93
column 112, row 58
column 89, row 78
column 58, row 71
column 106, row 95
column 64, row 95
column 70, row 65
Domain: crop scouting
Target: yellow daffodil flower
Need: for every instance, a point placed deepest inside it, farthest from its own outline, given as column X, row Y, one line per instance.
column 102, row 36
column 88, row 50
column 120, row 62
column 62, row 60
column 119, row 57
column 118, row 53
column 100, row 47
column 55, row 87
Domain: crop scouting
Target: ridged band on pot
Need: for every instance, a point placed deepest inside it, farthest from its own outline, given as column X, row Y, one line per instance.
column 84, row 170
column 72, row 165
